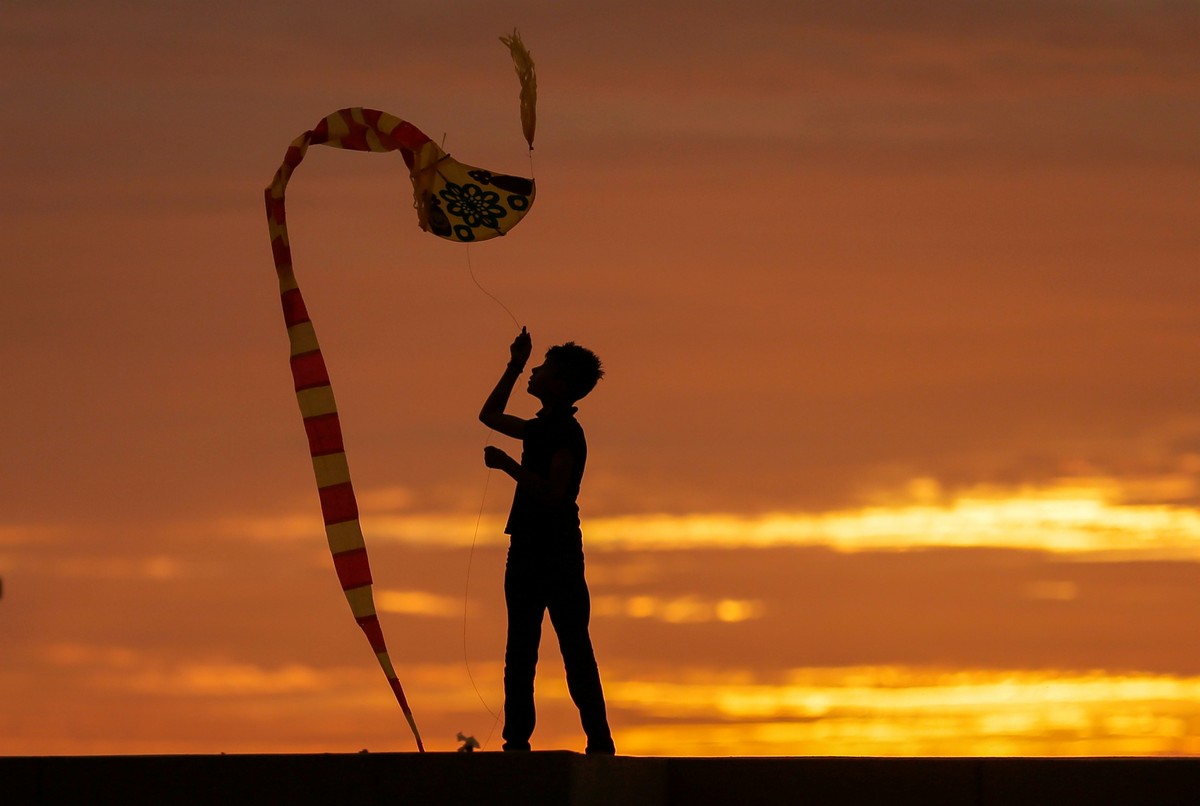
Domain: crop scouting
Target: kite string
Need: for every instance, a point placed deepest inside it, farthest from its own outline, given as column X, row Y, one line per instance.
column 479, row 516
column 467, row 589
column 471, row 271
column 496, row 716
column 466, row 599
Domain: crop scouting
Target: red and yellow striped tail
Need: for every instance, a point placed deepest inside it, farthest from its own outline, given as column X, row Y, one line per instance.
column 362, row 130
column 454, row 201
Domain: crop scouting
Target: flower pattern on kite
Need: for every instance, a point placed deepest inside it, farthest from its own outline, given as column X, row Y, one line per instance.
column 475, row 206
column 436, row 176
column 465, row 211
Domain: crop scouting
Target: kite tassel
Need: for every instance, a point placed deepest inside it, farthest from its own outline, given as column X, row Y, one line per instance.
column 527, row 75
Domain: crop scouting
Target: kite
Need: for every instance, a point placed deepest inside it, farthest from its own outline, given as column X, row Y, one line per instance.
column 453, row 201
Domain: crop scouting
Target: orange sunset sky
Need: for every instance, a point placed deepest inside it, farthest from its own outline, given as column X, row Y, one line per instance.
column 899, row 448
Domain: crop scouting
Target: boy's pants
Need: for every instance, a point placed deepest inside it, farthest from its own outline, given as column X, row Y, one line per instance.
column 533, row 585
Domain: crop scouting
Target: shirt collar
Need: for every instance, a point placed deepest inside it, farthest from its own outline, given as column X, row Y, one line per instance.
column 548, row 412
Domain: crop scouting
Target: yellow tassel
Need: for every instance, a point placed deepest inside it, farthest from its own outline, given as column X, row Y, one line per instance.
column 523, row 63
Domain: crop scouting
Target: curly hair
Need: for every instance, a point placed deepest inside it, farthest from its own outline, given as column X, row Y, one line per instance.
column 580, row 368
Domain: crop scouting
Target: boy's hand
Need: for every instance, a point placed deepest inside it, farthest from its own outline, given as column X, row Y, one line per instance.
column 496, row 458
column 521, row 347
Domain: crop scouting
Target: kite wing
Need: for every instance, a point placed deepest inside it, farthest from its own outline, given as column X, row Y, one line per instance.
column 453, row 201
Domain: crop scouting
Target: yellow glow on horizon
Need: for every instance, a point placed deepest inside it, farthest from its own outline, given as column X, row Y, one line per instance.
column 1080, row 516
column 1067, row 519
column 697, row 711
column 897, row 711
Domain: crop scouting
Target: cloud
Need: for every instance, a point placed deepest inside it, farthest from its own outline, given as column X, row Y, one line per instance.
column 157, row 568
column 915, row 712
column 1085, row 516
column 134, row 670
column 677, row 610
column 418, row 603
column 866, row 642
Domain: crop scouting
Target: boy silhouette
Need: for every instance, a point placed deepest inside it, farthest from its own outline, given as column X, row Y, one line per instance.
column 544, row 571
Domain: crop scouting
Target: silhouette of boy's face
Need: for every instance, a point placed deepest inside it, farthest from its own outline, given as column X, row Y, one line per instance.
column 546, row 383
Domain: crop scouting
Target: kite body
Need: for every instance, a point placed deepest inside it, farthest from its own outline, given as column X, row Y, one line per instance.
column 453, row 201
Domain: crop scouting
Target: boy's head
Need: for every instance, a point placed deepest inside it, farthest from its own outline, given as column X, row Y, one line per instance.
column 567, row 375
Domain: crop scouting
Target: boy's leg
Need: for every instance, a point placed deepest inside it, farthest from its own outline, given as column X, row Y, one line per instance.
column 570, row 612
column 525, row 610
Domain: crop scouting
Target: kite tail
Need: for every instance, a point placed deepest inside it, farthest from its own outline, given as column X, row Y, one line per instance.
column 362, row 130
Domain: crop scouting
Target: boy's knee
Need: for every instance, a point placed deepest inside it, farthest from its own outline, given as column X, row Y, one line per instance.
column 577, row 651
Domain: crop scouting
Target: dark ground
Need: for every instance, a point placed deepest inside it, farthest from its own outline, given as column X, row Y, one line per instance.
column 571, row 779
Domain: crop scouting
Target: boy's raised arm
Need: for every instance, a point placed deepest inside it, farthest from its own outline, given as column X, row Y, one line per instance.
column 492, row 414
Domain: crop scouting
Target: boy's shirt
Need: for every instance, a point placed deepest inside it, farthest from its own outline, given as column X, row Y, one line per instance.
column 533, row 522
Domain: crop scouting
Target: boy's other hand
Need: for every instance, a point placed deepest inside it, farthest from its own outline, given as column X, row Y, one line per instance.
column 521, row 347
column 495, row 458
